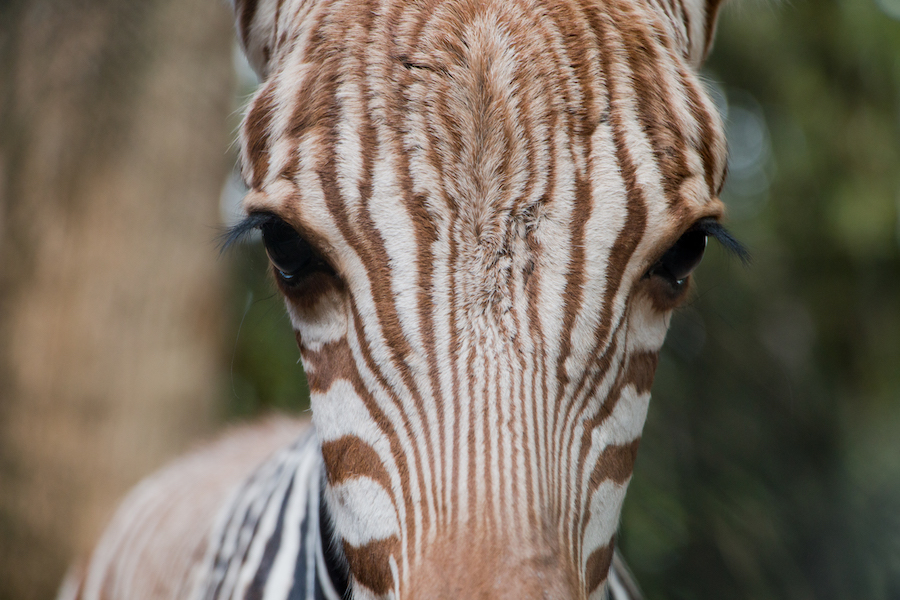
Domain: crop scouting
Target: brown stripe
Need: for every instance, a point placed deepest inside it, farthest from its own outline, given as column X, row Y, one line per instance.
column 636, row 211
column 256, row 132
column 488, row 374
column 712, row 15
column 278, row 39
column 653, row 102
column 686, row 18
column 315, row 104
column 707, row 135
column 434, row 105
column 574, row 296
column 597, row 568
column 576, row 38
column 641, row 370
column 533, row 288
column 348, row 457
column 426, row 297
column 336, row 360
column 454, row 342
column 369, row 564
column 616, row 463
column 329, row 363
column 470, row 437
column 247, row 10
column 682, row 15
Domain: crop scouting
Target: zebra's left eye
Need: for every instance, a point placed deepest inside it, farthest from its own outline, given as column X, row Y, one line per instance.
column 682, row 258
column 679, row 261
column 289, row 253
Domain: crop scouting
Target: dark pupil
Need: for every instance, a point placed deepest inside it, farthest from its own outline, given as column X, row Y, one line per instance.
column 682, row 258
column 287, row 250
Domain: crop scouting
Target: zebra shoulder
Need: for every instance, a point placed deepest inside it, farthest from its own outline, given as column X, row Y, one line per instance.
column 161, row 530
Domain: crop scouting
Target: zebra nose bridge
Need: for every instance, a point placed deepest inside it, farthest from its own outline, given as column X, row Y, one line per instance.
column 501, row 585
column 495, row 570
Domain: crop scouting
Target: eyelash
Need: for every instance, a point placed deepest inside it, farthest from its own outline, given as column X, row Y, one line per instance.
column 712, row 228
column 293, row 259
column 684, row 256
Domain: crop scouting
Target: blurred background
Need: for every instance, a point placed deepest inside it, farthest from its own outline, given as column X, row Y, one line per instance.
column 770, row 464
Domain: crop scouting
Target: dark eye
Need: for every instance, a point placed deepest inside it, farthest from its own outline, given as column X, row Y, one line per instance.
column 680, row 260
column 290, row 254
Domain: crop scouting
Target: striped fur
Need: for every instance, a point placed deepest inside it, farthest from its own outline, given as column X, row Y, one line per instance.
column 155, row 544
column 268, row 542
column 490, row 181
column 257, row 529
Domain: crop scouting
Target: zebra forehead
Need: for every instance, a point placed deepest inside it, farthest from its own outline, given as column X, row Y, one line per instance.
column 482, row 110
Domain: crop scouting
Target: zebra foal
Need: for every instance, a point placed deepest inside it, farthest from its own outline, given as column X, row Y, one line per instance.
column 481, row 214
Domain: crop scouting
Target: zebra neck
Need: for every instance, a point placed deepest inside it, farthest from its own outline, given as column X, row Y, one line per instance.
column 274, row 538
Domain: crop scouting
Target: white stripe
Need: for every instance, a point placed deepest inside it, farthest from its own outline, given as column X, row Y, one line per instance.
column 362, row 511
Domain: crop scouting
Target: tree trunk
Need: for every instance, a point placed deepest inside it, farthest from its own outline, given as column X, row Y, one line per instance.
column 113, row 151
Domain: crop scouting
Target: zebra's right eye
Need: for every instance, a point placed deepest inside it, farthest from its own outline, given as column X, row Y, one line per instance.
column 289, row 253
column 295, row 260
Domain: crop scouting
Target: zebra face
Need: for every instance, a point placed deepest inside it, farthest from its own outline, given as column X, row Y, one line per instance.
column 481, row 215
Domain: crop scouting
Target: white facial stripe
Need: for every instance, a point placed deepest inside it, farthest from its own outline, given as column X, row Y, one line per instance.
column 605, row 502
column 362, row 511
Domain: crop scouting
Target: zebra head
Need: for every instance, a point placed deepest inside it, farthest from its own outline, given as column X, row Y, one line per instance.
column 481, row 214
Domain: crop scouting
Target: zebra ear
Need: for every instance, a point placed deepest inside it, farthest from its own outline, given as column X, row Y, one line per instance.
column 257, row 25
column 692, row 24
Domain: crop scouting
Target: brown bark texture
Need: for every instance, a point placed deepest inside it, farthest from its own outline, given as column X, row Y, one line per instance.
column 114, row 142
